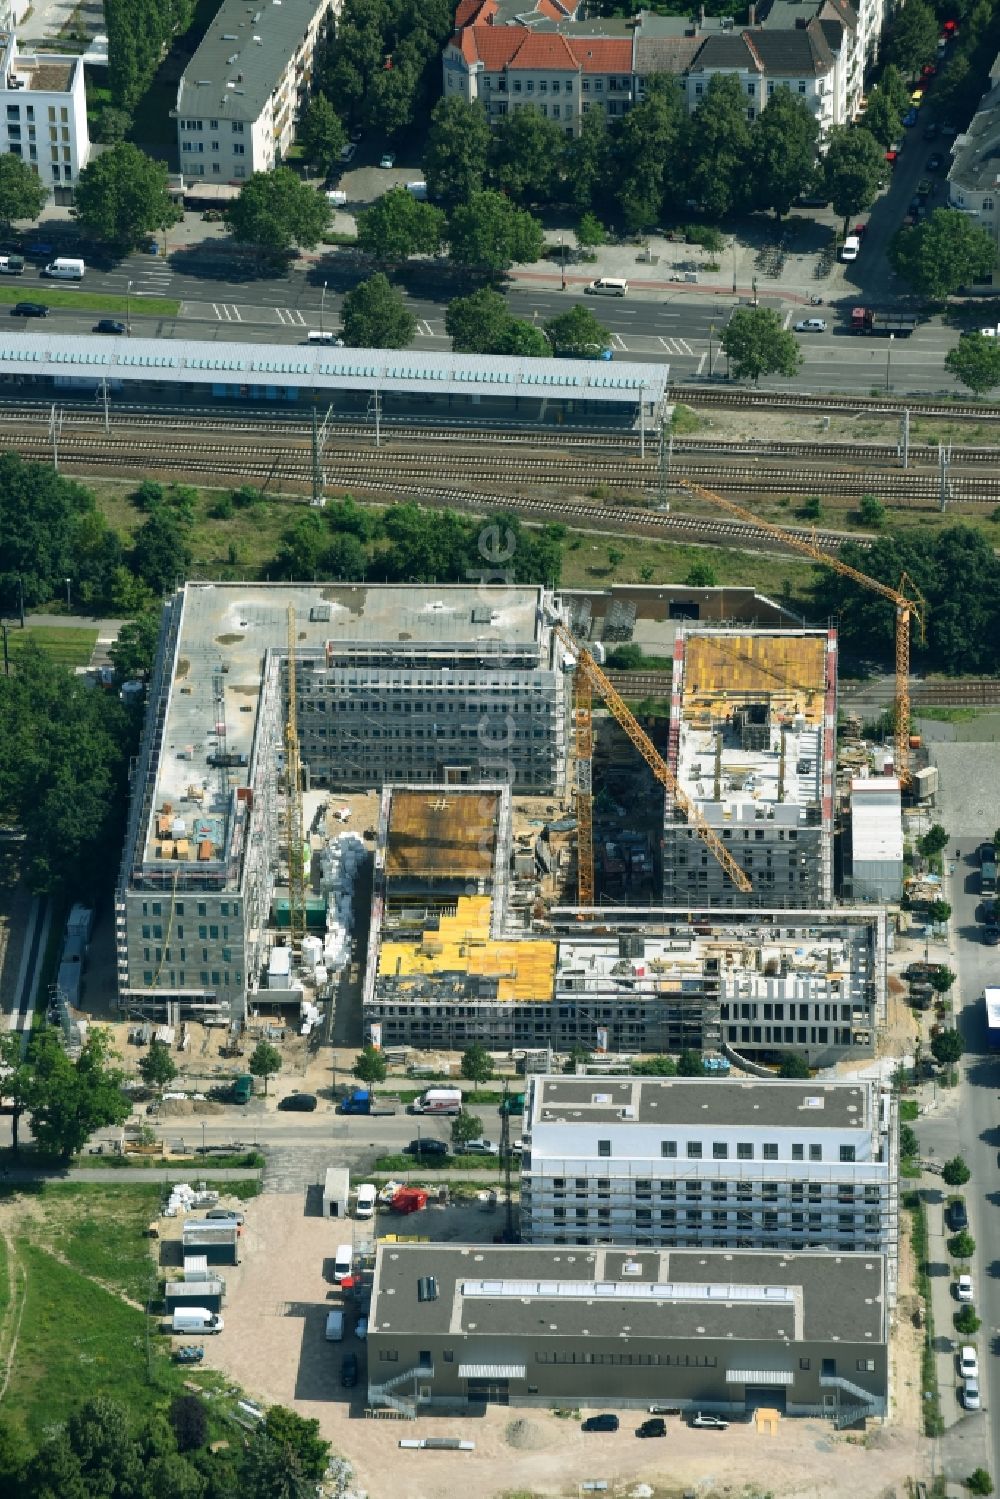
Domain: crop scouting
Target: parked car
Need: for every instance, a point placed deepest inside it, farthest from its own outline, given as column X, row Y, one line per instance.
column 347, row 153
column 479, row 1147
column 971, row 1398
column 189, row 1353
column 425, row 1147
column 388, row 159
column 361, row 1329
column 349, row 1371
column 932, row 132
column 956, row 1216
column 963, row 1288
column 910, row 118
column 811, row 325
column 230, row 1215
column 968, row 1362
column 656, row 1427
column 714, row 1423
column 935, row 161
column 110, row 325
column 605, row 1422
column 29, row 309
column 298, row 1103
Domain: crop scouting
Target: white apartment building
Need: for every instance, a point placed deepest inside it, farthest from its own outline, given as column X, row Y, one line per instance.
column 241, row 95
column 711, row 1163
column 974, row 179
column 43, row 113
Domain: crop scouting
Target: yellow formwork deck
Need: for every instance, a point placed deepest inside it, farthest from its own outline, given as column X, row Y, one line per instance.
column 461, row 943
column 788, row 669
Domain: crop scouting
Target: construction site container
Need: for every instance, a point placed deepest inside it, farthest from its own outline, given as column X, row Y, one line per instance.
column 182, row 1293
column 336, row 1191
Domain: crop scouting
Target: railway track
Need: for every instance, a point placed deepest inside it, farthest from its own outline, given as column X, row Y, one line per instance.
column 976, row 692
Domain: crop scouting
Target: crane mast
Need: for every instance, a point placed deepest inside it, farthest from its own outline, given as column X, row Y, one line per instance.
column 293, row 803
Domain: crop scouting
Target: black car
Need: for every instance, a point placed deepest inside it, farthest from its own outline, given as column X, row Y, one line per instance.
column 109, row 325
column 656, row 1427
column 349, row 1371
column 425, row 1147
column 606, row 1422
column 935, row 162
column 29, row 309
column 956, row 1215
column 298, row 1103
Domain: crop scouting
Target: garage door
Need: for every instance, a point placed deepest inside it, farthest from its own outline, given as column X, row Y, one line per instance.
column 770, row 1397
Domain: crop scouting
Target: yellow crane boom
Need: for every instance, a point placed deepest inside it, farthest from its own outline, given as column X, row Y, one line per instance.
column 586, row 666
column 907, row 609
column 293, row 792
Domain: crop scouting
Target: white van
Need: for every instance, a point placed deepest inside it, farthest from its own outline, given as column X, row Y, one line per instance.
column 62, row 269
column 336, row 197
column 607, row 286
column 11, row 265
column 852, row 248
column 417, row 190
column 335, row 1327
column 365, row 1205
column 316, row 337
column 196, row 1319
column 343, row 1260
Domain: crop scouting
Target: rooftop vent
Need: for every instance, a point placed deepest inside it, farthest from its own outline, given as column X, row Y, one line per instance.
column 427, row 1289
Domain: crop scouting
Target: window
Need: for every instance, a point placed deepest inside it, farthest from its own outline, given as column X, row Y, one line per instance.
column 770, row 1152
column 847, row 1152
column 694, row 1150
column 798, row 1152
column 604, row 1147
column 238, row 149
column 744, row 1151
column 720, row 1150
column 238, row 127
column 668, row 1148
column 804, row 1364
column 213, row 124
column 815, row 1152
column 239, row 171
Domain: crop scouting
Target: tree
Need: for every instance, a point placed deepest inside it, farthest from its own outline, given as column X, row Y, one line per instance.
column 577, row 334
column 962, row 1246
column 756, row 344
column 265, row 1061
column 646, row 143
column 852, row 170
column 321, row 134
column 587, row 165
column 941, row 978
column 783, row 144
column 882, row 118
column 975, row 361
column 897, row 91
column 947, row 1047
column 189, row 1421
column 654, row 1067
column 590, row 232
column 276, row 210
column 578, row 1057
column 966, row 1321
column 397, row 226
column 913, row 37
column 298, row 1438
column 477, row 1064
column 526, row 155
column 690, row 1064
column 267, row 1471
column 161, row 554
column 374, row 316
column 521, row 339
column 456, row 153
column 157, row 1067
column 489, row 233
column 370, row 1067
column 793, row 1066
column 345, row 558
column 482, row 323
column 701, row 575
column 717, row 138
column 122, row 195
column 69, row 1100
column 954, row 1172
column 138, row 36
column 933, row 841
column 22, row 191
column 465, row 1127
column 871, row 511
column 979, row 1482
column 943, row 253
column 113, row 125
column 132, row 654
column 16, row 1087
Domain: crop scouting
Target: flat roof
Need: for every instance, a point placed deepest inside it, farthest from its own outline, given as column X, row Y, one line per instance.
column 493, row 1292
column 225, row 632
column 876, row 820
column 459, row 946
column 243, row 55
column 739, row 1103
column 441, row 834
column 176, row 361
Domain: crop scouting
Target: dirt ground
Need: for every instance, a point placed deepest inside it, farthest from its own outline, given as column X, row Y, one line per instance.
column 274, row 1346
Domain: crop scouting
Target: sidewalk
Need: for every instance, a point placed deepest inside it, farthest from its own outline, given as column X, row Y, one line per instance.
column 193, row 1171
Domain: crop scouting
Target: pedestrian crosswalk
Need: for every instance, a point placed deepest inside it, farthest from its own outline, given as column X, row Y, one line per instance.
column 290, row 317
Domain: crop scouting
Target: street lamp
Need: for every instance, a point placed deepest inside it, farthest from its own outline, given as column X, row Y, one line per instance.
column 128, row 310
column 888, row 359
column 711, row 351
column 562, row 258
column 322, row 304
column 68, row 604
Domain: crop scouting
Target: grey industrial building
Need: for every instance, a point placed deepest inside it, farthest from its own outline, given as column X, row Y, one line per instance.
column 753, row 747
column 714, row 1163
column 424, row 684
column 454, row 1326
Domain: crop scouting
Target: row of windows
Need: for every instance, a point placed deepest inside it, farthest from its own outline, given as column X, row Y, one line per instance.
column 166, row 955
column 392, row 705
column 179, row 979
column 780, row 1034
column 14, row 114
column 809, row 1011
column 238, row 126
column 768, row 1220
column 197, row 169
column 636, row 1360
column 198, row 147
column 155, row 908
column 701, row 1241
column 767, row 1191
column 208, row 932
column 745, row 1150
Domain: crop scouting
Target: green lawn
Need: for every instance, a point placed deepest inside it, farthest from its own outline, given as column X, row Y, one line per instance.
column 69, row 647
column 90, row 301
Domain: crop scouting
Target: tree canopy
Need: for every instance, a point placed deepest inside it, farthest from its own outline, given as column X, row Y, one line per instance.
column 943, row 253
column 68, row 1100
column 482, row 323
column 457, row 146
column 852, row 169
column 717, row 142
column 123, row 195
column 276, row 210
column 783, row 145
column 397, row 226
column 756, row 344
column 526, row 156
column 139, row 32
column 577, row 334
column 913, row 37
column 22, row 191
column 264, row 1061
column 489, row 233
column 375, row 316
column 321, row 134
column 975, row 361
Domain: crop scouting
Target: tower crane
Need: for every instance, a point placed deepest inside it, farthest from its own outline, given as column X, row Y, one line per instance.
column 907, row 608
column 293, row 804
column 595, row 679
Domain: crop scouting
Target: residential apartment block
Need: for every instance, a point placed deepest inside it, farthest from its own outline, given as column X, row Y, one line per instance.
column 241, row 94
column 711, row 1164
column 431, row 684
column 974, row 178
column 752, row 745
column 506, row 56
column 804, row 1334
column 43, row 114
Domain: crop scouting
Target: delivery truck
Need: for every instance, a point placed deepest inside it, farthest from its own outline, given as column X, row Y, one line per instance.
column 438, row 1101
column 196, row 1319
column 363, row 1102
